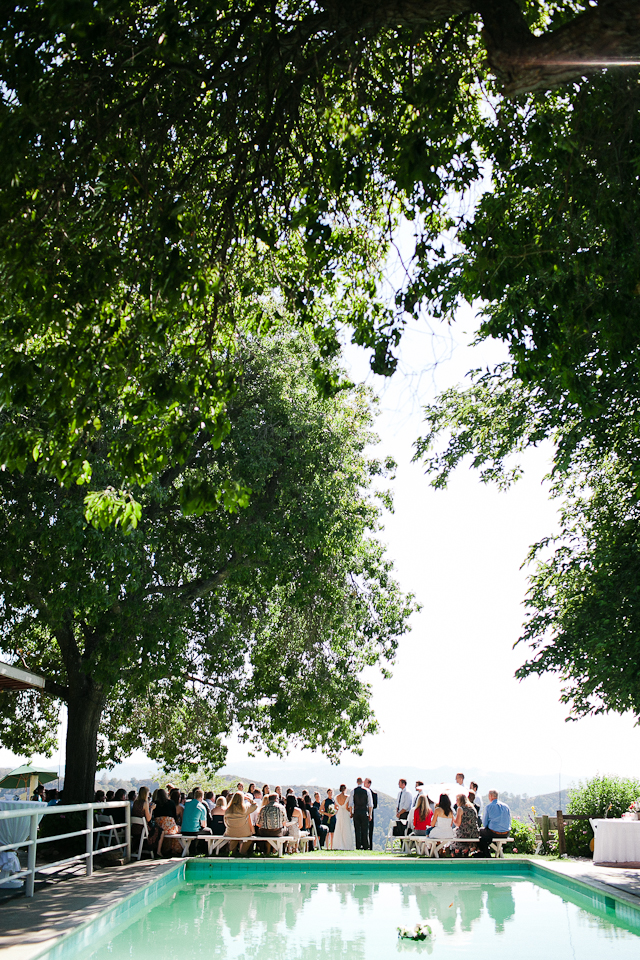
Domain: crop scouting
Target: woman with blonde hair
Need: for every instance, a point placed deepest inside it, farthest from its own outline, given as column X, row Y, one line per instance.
column 422, row 816
column 217, row 817
column 237, row 818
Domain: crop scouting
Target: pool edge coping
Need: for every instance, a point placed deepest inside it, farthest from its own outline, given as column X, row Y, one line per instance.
column 55, row 946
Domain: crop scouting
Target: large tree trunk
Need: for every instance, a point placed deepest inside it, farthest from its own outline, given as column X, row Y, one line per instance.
column 85, row 708
column 603, row 36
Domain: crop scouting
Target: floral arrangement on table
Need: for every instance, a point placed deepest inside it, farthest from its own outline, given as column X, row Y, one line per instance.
column 634, row 806
column 421, row 931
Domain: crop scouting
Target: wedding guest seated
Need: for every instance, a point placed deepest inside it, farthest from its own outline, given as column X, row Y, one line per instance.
column 164, row 815
column 497, row 822
column 209, row 800
column 291, row 806
column 175, row 795
column 238, row 823
column 257, row 799
column 477, row 800
column 422, row 816
column 465, row 822
column 131, row 796
column 110, row 795
column 141, row 810
column 216, row 820
column 119, row 813
column 52, row 797
column 442, row 824
column 194, row 816
column 100, row 797
column 272, row 819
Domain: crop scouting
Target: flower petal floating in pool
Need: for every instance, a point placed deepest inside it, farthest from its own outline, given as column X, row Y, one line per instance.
column 421, row 931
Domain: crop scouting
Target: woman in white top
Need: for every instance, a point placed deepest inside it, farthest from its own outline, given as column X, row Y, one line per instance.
column 442, row 828
column 343, row 837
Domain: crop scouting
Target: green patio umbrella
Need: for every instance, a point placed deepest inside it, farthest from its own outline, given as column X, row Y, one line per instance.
column 27, row 778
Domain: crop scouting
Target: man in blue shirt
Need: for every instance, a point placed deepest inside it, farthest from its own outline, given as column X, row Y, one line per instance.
column 497, row 822
column 194, row 817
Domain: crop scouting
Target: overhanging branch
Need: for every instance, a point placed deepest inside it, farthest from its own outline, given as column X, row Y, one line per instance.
column 604, row 36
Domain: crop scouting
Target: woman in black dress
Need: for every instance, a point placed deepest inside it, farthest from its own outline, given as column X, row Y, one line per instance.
column 328, row 811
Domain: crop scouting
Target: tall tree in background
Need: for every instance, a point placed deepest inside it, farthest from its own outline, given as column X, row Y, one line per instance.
column 203, row 620
column 553, row 254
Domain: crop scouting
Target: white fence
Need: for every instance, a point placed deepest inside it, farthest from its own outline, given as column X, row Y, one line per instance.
column 91, row 832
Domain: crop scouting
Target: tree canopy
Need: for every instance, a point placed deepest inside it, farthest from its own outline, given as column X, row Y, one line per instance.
column 176, row 177
column 584, row 599
column 194, row 624
column 165, row 167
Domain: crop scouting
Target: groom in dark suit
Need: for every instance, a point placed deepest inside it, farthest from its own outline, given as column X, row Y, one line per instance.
column 367, row 784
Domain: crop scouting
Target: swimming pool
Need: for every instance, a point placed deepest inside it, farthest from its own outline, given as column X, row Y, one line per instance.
column 311, row 910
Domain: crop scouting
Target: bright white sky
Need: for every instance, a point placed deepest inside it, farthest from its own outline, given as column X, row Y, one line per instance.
column 453, row 698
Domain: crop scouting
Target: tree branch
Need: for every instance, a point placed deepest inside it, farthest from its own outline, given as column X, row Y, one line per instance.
column 604, row 36
column 199, row 587
column 601, row 37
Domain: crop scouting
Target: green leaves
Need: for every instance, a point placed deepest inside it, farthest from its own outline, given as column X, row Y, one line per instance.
column 584, row 600
column 155, row 197
column 117, row 507
column 244, row 588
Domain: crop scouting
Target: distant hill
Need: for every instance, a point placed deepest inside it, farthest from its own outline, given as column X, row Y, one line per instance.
column 545, row 803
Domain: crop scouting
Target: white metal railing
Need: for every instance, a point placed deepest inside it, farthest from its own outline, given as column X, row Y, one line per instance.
column 91, row 831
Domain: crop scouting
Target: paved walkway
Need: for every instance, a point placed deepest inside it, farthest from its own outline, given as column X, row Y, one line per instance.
column 27, row 927
column 624, row 880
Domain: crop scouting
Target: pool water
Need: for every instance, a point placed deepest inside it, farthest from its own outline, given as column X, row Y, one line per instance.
column 305, row 919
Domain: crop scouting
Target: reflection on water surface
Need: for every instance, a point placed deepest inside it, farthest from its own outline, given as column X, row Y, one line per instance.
column 358, row 920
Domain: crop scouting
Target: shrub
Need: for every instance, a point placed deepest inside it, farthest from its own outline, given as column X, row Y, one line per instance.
column 524, row 837
column 598, row 797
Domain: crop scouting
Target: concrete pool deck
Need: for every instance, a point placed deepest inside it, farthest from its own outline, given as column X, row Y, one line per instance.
column 28, row 927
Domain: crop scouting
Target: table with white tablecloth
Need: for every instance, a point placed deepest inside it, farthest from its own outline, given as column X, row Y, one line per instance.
column 14, row 830
column 616, row 841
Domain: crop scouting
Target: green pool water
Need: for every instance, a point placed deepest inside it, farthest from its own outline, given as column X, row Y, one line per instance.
column 329, row 914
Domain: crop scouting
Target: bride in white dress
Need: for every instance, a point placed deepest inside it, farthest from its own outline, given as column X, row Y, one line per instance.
column 343, row 836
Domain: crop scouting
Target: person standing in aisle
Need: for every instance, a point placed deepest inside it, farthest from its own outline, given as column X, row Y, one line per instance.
column 361, row 803
column 374, row 798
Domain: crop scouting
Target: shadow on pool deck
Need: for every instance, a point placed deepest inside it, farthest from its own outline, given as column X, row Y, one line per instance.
column 30, row 926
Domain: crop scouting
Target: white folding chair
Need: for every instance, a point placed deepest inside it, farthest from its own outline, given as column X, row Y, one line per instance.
column 106, row 838
column 144, row 835
column 390, row 841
